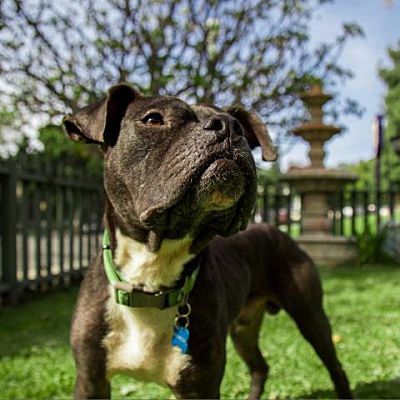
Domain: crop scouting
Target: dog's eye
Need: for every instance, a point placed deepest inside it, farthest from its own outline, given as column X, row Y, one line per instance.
column 153, row 119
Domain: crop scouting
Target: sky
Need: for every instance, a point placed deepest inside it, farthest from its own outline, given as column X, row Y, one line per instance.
column 380, row 21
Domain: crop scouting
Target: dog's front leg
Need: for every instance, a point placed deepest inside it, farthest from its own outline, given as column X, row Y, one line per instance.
column 90, row 360
column 202, row 379
column 87, row 334
column 91, row 382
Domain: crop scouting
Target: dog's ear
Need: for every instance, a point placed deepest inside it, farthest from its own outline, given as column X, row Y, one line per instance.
column 101, row 122
column 255, row 130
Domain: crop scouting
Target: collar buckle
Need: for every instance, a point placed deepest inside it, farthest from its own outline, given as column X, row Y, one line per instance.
column 125, row 294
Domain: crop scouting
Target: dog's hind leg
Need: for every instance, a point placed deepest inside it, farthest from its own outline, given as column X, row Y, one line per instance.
column 301, row 297
column 315, row 327
column 244, row 332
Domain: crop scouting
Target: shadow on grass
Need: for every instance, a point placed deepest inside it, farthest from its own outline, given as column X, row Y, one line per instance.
column 43, row 322
column 389, row 389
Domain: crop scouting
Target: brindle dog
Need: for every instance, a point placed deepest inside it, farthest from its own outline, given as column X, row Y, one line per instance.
column 180, row 182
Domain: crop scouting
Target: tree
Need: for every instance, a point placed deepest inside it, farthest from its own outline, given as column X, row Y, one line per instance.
column 7, row 131
column 59, row 56
column 365, row 170
column 391, row 76
column 57, row 147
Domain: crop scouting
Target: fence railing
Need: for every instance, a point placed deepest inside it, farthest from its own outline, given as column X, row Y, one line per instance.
column 356, row 212
column 51, row 218
column 352, row 212
column 280, row 206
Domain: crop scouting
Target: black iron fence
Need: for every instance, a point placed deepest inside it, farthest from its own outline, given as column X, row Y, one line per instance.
column 280, row 206
column 352, row 212
column 356, row 212
column 51, row 220
column 50, row 224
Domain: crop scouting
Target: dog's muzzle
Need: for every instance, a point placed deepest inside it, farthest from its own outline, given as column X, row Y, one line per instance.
column 220, row 186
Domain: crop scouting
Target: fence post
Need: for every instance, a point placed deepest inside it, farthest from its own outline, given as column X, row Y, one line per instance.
column 8, row 229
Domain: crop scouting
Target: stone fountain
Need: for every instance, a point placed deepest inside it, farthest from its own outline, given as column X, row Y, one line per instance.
column 316, row 184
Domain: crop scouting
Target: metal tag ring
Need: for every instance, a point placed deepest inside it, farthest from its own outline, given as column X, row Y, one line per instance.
column 183, row 313
column 181, row 318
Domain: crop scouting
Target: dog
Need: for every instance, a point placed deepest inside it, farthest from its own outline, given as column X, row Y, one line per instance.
column 175, row 276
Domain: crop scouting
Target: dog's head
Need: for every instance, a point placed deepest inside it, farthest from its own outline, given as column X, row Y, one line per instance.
column 171, row 169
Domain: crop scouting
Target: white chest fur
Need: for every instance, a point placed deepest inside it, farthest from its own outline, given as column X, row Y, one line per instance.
column 139, row 341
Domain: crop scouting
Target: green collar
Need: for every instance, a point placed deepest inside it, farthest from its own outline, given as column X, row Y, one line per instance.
column 127, row 295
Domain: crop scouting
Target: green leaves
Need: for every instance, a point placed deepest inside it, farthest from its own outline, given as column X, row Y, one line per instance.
column 57, row 147
column 391, row 76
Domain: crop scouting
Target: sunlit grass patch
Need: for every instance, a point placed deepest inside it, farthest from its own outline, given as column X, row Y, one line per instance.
column 362, row 302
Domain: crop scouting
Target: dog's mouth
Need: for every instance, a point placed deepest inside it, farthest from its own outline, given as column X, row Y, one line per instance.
column 220, row 186
column 216, row 199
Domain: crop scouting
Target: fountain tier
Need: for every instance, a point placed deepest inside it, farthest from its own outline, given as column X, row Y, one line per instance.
column 315, row 184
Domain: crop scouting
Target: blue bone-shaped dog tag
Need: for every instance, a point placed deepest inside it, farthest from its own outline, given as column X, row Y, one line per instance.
column 180, row 338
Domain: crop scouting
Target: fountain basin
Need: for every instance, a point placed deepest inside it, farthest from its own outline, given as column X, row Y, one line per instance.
column 305, row 180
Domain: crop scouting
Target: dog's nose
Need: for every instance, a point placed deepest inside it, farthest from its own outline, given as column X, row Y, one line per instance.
column 224, row 124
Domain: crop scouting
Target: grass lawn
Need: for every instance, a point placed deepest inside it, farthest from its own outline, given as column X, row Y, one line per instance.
column 363, row 304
